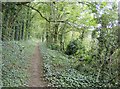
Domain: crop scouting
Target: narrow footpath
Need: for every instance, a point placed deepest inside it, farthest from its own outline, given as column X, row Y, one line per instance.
column 36, row 70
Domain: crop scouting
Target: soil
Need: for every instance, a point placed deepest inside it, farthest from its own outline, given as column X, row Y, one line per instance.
column 36, row 70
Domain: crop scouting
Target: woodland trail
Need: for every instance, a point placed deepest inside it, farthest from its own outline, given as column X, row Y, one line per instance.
column 36, row 70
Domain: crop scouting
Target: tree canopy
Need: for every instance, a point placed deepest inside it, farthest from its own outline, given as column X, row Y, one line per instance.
column 86, row 32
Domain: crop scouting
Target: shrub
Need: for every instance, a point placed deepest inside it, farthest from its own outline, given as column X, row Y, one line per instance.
column 72, row 47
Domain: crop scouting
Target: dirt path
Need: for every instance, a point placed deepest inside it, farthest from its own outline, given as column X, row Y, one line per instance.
column 36, row 70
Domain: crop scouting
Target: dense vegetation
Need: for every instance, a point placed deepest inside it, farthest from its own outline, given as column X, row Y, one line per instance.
column 16, row 58
column 79, row 42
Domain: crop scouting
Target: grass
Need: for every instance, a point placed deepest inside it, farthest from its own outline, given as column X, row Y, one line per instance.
column 15, row 62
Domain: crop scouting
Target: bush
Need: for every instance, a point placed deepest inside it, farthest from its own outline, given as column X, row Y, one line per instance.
column 72, row 47
column 54, row 46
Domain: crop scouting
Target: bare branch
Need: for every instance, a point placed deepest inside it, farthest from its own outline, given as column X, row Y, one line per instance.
column 42, row 15
column 56, row 21
column 38, row 12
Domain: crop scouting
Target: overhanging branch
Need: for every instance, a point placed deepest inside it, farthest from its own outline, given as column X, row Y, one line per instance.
column 56, row 21
column 42, row 15
column 38, row 12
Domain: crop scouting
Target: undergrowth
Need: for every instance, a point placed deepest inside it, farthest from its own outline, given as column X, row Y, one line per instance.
column 15, row 62
column 59, row 70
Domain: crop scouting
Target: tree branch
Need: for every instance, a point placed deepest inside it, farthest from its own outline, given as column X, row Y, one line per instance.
column 57, row 21
column 22, row 3
column 38, row 12
column 43, row 16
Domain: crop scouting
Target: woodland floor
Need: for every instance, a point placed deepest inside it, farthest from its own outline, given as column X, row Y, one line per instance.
column 36, row 70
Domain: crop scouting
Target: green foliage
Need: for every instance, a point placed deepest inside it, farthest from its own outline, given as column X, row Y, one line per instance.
column 59, row 72
column 72, row 47
column 91, row 59
column 54, row 46
column 16, row 21
column 16, row 62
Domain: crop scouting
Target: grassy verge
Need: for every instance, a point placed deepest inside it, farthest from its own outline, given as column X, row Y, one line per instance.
column 15, row 62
